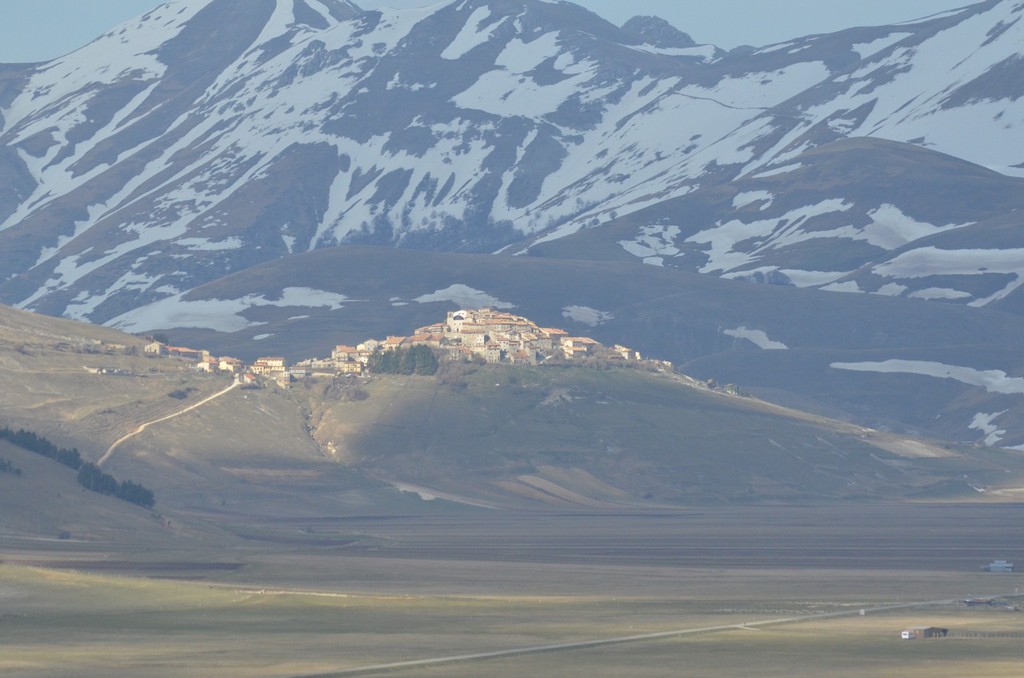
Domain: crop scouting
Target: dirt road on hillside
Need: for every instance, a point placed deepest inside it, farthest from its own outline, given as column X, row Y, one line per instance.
column 110, row 451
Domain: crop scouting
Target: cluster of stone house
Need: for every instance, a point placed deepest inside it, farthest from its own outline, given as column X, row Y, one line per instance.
column 498, row 336
column 487, row 334
column 274, row 368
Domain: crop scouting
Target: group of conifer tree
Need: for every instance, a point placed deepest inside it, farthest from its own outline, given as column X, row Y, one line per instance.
column 35, row 443
column 89, row 475
column 413, row 360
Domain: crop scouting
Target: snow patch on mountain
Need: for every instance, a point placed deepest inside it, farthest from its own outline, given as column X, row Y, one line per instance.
column 993, row 381
column 760, row 91
column 220, row 315
column 799, row 278
column 75, row 267
column 776, row 171
column 984, row 422
column 475, row 32
column 905, row 87
column 758, row 338
column 723, row 241
column 890, row 228
column 653, row 244
column 939, row 293
column 586, row 315
column 702, row 52
column 891, row 290
column 846, row 286
column 792, row 276
column 463, row 296
column 510, row 91
column 930, row 261
column 208, row 245
column 750, row 197
column 869, row 49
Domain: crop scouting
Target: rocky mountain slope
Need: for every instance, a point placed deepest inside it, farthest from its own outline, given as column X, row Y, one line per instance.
column 175, row 149
column 206, row 144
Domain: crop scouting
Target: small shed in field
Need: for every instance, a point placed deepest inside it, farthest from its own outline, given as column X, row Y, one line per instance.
column 916, row 632
column 999, row 566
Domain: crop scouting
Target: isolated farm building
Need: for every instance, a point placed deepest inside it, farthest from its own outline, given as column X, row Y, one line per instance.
column 917, row 632
column 998, row 566
column 154, row 348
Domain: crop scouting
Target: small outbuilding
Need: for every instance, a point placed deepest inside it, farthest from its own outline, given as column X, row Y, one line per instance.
column 916, row 632
column 998, row 566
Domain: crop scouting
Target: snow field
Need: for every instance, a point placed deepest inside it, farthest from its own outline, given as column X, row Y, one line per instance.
column 219, row 315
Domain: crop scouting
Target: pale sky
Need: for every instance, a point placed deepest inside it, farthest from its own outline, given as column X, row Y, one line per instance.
column 38, row 30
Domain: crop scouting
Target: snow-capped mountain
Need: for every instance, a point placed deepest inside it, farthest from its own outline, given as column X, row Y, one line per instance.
column 854, row 215
column 213, row 138
column 202, row 139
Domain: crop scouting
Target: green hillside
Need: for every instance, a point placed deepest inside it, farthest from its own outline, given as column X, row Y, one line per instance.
column 624, row 437
column 471, row 437
column 44, row 503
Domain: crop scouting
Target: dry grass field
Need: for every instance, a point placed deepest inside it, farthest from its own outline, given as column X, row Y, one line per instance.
column 404, row 589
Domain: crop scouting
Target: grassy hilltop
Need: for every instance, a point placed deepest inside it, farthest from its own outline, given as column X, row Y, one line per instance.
column 473, row 435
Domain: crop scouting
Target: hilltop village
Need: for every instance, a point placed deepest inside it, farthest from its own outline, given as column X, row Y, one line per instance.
column 485, row 334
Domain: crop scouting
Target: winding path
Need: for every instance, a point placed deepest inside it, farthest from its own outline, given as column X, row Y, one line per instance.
column 110, row 451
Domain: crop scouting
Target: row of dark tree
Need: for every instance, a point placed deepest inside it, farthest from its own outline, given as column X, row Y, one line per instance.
column 89, row 475
column 92, row 478
column 413, row 360
column 40, row 445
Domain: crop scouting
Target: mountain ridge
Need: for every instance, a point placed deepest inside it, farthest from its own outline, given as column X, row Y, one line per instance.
column 566, row 80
